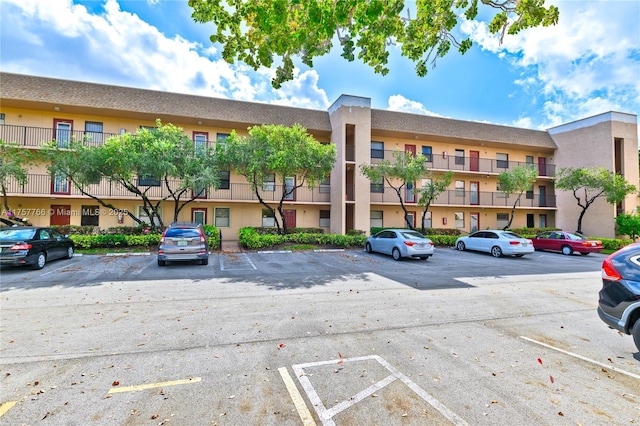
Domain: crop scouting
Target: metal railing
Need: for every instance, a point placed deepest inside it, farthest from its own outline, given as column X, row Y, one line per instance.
column 468, row 164
column 468, row 198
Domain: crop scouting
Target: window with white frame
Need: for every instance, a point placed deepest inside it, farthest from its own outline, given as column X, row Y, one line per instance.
column 459, row 219
column 459, row 159
column 268, row 218
column 269, row 183
column 502, row 160
column 200, row 142
column 459, row 188
column 375, row 219
column 502, row 220
column 325, row 218
column 377, row 149
column 61, row 183
column 221, row 217
column 63, row 134
column 427, row 222
column 325, row 185
column 93, row 132
column 142, row 215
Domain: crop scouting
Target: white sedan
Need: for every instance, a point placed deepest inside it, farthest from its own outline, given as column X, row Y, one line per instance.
column 496, row 242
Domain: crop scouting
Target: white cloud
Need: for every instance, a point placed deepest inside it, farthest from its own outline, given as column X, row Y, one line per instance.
column 402, row 104
column 589, row 62
column 60, row 39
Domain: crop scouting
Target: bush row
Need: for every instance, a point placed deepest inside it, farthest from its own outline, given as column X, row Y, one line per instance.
column 249, row 238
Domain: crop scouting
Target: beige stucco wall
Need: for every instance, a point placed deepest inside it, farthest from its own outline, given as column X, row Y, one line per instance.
column 590, row 143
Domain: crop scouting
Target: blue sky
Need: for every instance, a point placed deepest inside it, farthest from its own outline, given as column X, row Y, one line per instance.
column 586, row 65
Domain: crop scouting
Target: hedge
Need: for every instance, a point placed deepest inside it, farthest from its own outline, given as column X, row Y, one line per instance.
column 250, row 238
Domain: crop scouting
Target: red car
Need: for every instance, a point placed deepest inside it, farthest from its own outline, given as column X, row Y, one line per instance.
column 566, row 242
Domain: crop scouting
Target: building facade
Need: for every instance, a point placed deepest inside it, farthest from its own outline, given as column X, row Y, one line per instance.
column 37, row 110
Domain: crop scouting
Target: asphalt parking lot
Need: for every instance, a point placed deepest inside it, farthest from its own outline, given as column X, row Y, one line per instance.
column 304, row 338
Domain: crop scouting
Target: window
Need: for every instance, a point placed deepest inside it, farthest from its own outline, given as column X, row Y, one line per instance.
column 427, row 222
column 500, row 194
column 377, row 149
column 62, row 134
column 222, row 217
column 269, row 183
column 543, row 221
column 90, row 215
column 93, row 132
column 199, row 190
column 221, row 137
column 148, row 181
column 529, row 160
column 459, row 219
column 410, row 196
column 142, row 215
column 199, row 216
column 426, row 151
column 377, row 185
column 459, row 188
column 268, row 218
column 200, row 141
column 502, row 161
column 375, row 219
column 225, row 179
column 325, row 218
column 289, row 188
column 502, row 219
column 60, row 184
column 325, row 185
column 459, row 157
column 529, row 194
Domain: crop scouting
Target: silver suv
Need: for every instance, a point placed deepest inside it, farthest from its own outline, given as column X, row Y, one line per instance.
column 183, row 241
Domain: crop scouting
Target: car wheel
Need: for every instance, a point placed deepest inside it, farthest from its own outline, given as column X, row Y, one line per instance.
column 41, row 260
column 396, row 254
column 368, row 248
column 460, row 246
column 635, row 331
column 496, row 251
column 161, row 262
column 69, row 252
column 424, row 257
column 204, row 261
column 566, row 250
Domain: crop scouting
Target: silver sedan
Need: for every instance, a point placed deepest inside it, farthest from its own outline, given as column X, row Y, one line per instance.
column 496, row 242
column 400, row 243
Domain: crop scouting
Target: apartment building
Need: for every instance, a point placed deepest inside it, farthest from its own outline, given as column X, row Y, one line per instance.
column 36, row 110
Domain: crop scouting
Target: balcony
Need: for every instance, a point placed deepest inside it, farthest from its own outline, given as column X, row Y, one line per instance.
column 44, row 185
column 468, row 198
column 468, row 164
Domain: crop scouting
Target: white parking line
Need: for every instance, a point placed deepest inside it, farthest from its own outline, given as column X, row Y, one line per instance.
column 326, row 414
column 225, row 268
column 592, row 361
column 303, row 410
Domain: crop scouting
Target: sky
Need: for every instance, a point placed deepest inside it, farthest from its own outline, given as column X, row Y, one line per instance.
column 588, row 64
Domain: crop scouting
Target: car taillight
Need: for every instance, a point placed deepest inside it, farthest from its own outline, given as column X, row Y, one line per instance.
column 202, row 238
column 609, row 272
column 409, row 243
column 21, row 247
column 514, row 243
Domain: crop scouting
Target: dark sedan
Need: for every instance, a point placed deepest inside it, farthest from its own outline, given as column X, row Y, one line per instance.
column 619, row 302
column 566, row 243
column 32, row 245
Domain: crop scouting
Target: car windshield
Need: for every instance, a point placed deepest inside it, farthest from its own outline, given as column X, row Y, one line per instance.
column 182, row 233
column 17, row 234
column 511, row 235
column 412, row 235
column 574, row 237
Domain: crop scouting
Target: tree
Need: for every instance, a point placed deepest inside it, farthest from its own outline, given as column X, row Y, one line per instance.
column 14, row 162
column 516, row 181
column 403, row 171
column 589, row 184
column 435, row 186
column 280, row 151
column 628, row 224
column 162, row 156
column 259, row 31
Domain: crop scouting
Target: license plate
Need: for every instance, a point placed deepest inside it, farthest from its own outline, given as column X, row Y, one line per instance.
column 524, row 244
column 182, row 242
column 421, row 245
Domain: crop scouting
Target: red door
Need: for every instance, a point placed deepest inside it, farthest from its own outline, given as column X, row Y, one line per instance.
column 542, row 166
column 60, row 215
column 290, row 218
column 474, row 161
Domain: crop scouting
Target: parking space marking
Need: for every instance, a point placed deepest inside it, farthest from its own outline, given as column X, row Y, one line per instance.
column 298, row 402
column 54, row 270
column 226, row 268
column 154, row 385
column 592, row 361
column 326, row 414
column 6, row 406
